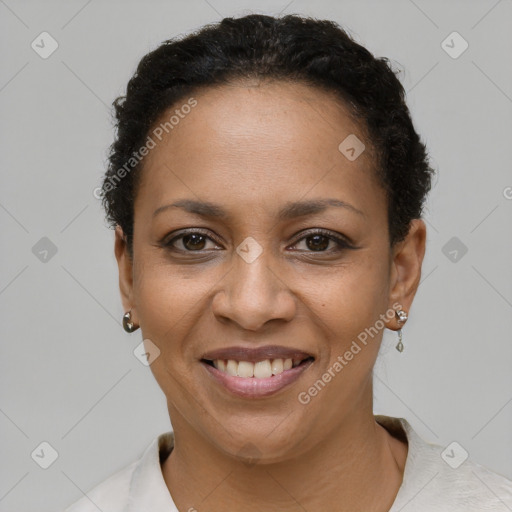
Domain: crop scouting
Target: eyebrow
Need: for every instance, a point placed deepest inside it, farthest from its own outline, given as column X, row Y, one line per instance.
column 289, row 211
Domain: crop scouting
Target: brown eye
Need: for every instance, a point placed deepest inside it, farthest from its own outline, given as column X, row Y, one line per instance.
column 318, row 241
column 192, row 241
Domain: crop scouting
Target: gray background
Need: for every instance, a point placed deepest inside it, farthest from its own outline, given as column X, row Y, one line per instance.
column 68, row 373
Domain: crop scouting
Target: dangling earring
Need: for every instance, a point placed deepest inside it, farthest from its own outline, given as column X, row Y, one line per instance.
column 128, row 325
column 402, row 318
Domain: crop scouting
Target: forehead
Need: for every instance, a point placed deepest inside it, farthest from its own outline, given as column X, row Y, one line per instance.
column 255, row 140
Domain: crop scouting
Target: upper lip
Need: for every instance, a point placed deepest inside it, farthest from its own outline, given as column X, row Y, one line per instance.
column 240, row 353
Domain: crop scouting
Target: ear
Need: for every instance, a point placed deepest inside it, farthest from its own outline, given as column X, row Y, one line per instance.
column 125, row 266
column 405, row 271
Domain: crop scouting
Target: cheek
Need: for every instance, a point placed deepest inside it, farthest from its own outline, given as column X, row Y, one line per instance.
column 163, row 291
column 350, row 303
column 159, row 301
column 172, row 304
column 167, row 306
column 350, row 307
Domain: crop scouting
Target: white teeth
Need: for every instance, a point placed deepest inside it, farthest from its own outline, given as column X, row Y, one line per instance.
column 277, row 366
column 245, row 369
column 262, row 369
column 259, row 370
column 232, row 368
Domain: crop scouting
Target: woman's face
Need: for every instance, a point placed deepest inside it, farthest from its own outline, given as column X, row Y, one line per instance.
column 257, row 274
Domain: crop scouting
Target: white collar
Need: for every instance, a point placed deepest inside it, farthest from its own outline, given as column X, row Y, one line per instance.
column 418, row 465
column 428, row 481
column 148, row 490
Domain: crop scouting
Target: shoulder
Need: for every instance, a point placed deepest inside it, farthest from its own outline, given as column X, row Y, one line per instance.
column 469, row 486
column 138, row 486
column 445, row 478
column 111, row 494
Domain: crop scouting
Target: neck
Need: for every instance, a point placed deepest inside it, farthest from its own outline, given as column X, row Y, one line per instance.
column 359, row 467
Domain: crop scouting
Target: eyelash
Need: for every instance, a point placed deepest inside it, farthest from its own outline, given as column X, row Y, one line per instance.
column 342, row 243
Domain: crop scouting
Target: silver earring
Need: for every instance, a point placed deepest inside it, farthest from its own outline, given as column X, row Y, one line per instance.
column 128, row 325
column 402, row 318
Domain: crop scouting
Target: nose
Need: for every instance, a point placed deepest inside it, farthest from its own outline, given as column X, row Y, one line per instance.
column 252, row 294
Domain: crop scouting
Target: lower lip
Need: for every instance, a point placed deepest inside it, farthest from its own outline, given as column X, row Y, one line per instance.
column 257, row 388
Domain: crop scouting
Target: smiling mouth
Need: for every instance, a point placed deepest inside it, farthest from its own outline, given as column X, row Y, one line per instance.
column 263, row 369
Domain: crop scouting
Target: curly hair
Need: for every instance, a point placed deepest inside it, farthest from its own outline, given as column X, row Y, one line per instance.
column 292, row 48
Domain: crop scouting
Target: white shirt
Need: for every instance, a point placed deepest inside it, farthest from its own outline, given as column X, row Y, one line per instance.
column 429, row 483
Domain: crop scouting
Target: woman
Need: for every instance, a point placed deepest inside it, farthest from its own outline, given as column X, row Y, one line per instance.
column 266, row 188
